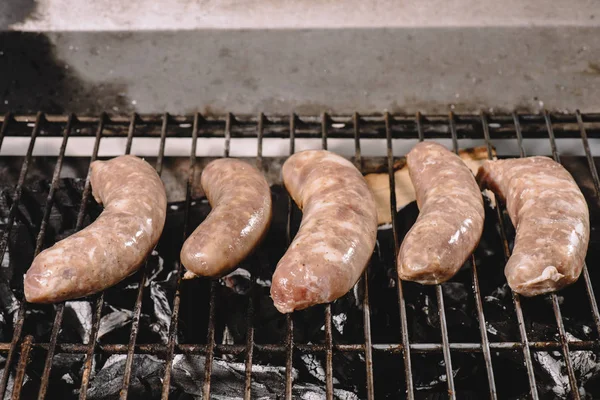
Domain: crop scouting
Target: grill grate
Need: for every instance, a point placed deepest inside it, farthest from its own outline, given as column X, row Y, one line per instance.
column 384, row 127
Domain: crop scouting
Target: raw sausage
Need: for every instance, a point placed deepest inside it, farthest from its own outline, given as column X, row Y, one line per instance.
column 551, row 219
column 337, row 234
column 450, row 220
column 241, row 214
column 112, row 247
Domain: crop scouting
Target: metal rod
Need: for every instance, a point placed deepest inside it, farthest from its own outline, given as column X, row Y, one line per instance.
column 452, row 125
column 213, row 289
column 137, row 309
column 250, row 313
column 594, row 174
column 289, row 319
column 18, row 329
column 519, row 133
column 23, row 360
column 324, row 126
column 401, row 301
column 96, row 317
column 227, row 134
column 419, row 123
column 130, row 132
column 365, row 280
column 328, row 333
column 210, row 339
column 440, row 300
column 554, row 297
column 38, row 247
column 174, row 323
column 477, row 292
column 516, row 297
column 237, row 349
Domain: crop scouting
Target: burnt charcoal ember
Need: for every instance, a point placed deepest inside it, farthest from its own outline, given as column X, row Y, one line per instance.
column 253, row 280
column 554, row 379
column 145, row 382
column 78, row 317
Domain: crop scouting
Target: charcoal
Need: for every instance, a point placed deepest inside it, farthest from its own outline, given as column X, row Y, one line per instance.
column 252, row 281
column 115, row 319
column 145, row 382
column 78, row 315
column 555, row 380
column 162, row 311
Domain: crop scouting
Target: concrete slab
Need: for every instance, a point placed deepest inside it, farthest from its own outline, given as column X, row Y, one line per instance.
column 98, row 15
column 305, row 56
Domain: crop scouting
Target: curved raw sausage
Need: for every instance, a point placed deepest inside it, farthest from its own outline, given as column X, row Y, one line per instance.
column 115, row 245
column 241, row 214
column 450, row 220
column 551, row 218
column 337, row 234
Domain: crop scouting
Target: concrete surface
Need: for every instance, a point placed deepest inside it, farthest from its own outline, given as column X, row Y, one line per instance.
column 305, row 56
column 69, row 15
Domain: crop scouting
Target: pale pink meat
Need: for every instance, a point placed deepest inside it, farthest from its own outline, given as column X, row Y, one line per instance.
column 115, row 245
column 337, row 234
column 450, row 219
column 241, row 214
column 551, row 218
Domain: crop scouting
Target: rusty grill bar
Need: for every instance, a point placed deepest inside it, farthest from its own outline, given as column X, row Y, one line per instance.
column 355, row 127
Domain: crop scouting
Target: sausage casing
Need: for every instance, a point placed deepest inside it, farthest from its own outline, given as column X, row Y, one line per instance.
column 241, row 214
column 115, row 245
column 450, row 219
column 551, row 218
column 337, row 234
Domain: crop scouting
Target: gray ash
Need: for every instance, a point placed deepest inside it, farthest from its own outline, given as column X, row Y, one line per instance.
column 235, row 290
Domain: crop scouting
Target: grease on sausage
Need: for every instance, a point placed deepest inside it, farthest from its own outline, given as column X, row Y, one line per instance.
column 551, row 218
column 450, row 220
column 241, row 214
column 337, row 234
column 115, row 245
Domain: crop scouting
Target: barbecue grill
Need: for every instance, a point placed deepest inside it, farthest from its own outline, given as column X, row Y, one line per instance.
column 467, row 338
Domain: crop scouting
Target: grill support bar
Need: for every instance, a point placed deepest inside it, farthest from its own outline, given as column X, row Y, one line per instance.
column 401, row 303
column 177, row 299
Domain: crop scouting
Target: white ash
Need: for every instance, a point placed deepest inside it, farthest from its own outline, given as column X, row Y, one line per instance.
column 117, row 318
column 585, row 365
column 159, row 269
column 339, row 321
column 491, row 329
column 81, row 311
column 162, row 311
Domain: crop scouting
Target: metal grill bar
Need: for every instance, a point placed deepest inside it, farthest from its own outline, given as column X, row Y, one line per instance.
column 18, row 329
column 23, row 360
column 401, row 302
column 96, row 317
column 289, row 319
column 213, row 288
column 38, row 247
column 440, row 300
column 594, row 173
column 365, row 278
column 172, row 338
column 477, row 292
column 137, row 309
column 250, row 319
column 328, row 333
column 554, row 297
column 236, row 349
column 516, row 297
